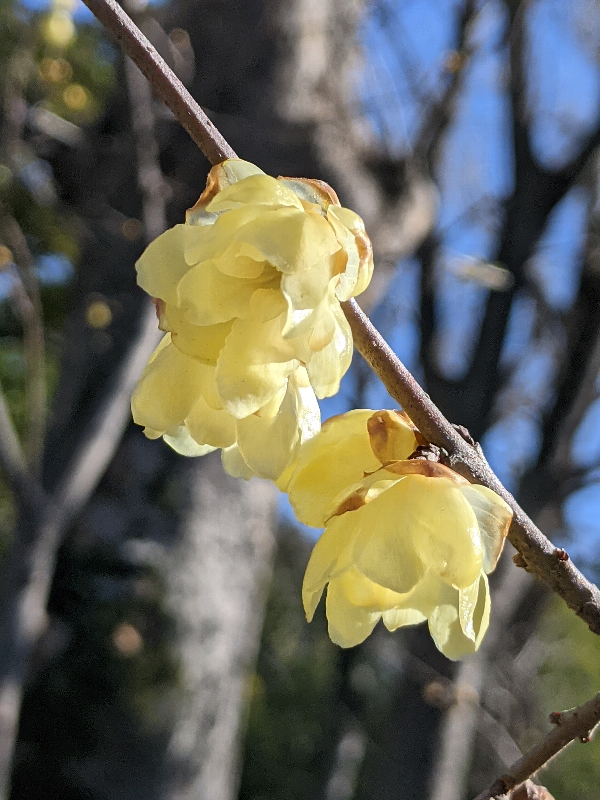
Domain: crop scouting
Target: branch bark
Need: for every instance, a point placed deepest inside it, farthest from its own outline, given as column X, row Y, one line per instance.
column 577, row 723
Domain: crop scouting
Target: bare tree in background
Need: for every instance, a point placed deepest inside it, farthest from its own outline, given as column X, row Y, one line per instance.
column 280, row 80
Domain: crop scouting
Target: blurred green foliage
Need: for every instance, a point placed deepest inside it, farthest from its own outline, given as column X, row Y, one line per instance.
column 569, row 675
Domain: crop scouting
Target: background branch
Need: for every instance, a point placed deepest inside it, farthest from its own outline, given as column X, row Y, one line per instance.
column 577, row 723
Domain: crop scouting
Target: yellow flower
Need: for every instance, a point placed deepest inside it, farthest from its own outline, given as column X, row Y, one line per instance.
column 249, row 289
column 405, row 540
column 177, row 398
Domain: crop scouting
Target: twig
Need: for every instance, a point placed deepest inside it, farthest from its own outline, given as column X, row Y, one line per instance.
column 577, row 723
column 162, row 79
column 536, row 553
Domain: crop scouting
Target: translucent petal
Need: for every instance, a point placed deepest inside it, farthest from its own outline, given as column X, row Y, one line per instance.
column 241, row 261
column 363, row 592
column 254, row 365
column 445, row 630
column 324, row 327
column 266, row 304
column 329, row 465
column 220, row 177
column 414, row 606
column 395, row 618
column 391, row 436
column 221, row 236
column 254, row 190
column 307, row 407
column 306, row 289
column 327, row 367
column 350, row 231
column 481, row 615
column 493, row 516
column 467, row 602
column 384, row 549
column 348, row 624
column 301, row 322
column 169, row 387
column 445, row 626
column 162, row 264
column 433, row 515
column 308, row 420
column 233, row 170
column 331, row 556
column 313, row 192
column 182, row 443
column 210, row 426
column 234, row 464
column 291, row 240
column 208, row 296
column 267, row 444
column 203, row 342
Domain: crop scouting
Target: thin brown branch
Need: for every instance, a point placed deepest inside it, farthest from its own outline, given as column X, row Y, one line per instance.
column 162, row 79
column 537, row 554
column 577, row 723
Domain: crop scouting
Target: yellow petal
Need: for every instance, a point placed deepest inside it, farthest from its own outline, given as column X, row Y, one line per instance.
column 208, row 296
column 267, row 444
column 306, row 289
column 219, row 235
column 414, row 606
column 331, row 556
column 384, row 549
column 445, row 626
column 169, row 387
column 291, row 240
column 210, row 426
column 348, row 625
column 363, row 592
column 253, row 366
column 391, row 435
column 329, row 465
column 433, row 515
column 260, row 190
column 308, row 419
column 162, row 264
column 241, row 261
column 203, row 342
column 328, row 366
column 467, row 603
column 493, row 516
column 182, row 443
column 350, row 231
column 234, row 464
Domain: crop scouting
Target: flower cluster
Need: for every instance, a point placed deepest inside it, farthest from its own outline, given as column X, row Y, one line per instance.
column 248, row 292
column 405, row 540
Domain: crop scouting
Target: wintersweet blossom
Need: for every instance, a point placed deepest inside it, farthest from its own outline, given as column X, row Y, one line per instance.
column 405, row 540
column 248, row 291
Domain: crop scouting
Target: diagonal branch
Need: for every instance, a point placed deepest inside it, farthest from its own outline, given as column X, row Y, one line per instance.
column 576, row 723
column 536, row 553
column 162, row 79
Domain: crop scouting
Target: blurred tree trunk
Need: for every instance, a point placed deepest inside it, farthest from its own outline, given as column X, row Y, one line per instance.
column 216, row 581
